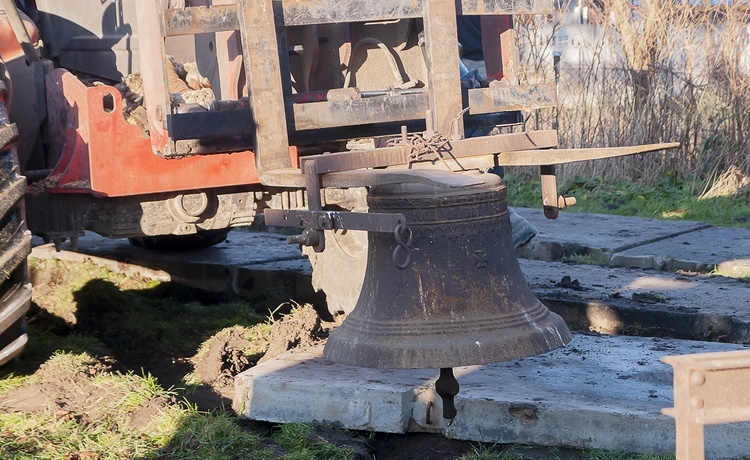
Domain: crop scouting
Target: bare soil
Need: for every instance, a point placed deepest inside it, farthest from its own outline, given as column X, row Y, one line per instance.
column 178, row 335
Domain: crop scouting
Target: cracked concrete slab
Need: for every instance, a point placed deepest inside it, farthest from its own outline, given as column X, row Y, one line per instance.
column 245, row 264
column 595, row 235
column 725, row 248
column 617, row 300
column 602, row 392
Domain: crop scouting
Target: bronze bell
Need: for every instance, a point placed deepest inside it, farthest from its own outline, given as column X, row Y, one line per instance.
column 453, row 295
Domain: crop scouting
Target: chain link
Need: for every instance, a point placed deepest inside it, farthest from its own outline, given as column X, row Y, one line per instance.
column 403, row 246
column 422, row 148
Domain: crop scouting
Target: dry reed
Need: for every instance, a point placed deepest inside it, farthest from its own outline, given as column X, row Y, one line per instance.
column 651, row 71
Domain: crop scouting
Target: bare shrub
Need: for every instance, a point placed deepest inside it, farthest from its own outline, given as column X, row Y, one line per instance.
column 646, row 72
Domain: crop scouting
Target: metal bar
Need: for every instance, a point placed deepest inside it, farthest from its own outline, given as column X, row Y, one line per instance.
column 443, row 81
column 498, row 34
column 549, row 191
column 312, row 184
column 561, row 156
column 199, row 19
column 211, row 125
column 305, row 12
column 383, row 109
column 505, row 98
column 217, row 18
column 156, row 98
column 689, row 440
column 262, row 69
column 338, row 220
column 400, row 155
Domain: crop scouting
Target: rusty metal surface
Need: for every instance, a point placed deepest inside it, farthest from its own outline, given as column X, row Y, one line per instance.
column 90, row 162
column 443, row 81
column 334, row 220
column 499, row 44
column 382, row 109
column 463, row 299
column 263, row 73
column 156, row 98
column 549, row 191
column 709, row 388
column 370, row 177
column 192, row 20
column 199, row 19
column 560, row 156
column 401, row 154
column 501, row 98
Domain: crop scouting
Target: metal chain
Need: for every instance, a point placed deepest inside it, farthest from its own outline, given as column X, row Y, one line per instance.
column 422, row 148
column 403, row 246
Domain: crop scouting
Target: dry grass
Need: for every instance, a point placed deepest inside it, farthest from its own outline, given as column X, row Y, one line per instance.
column 653, row 72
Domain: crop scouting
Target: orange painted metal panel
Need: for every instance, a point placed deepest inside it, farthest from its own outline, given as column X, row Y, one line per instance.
column 105, row 155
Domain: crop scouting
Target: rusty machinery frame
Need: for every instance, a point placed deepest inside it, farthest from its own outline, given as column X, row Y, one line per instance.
column 441, row 104
column 709, row 388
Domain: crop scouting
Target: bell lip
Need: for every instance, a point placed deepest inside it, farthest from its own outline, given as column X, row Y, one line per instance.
column 508, row 345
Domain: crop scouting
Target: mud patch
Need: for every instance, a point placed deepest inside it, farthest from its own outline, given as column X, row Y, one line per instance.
column 238, row 348
column 301, row 329
column 71, row 387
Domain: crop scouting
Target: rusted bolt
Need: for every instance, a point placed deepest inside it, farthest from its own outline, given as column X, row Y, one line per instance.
column 696, row 402
column 697, row 378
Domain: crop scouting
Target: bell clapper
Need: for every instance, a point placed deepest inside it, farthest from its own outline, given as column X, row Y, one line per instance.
column 446, row 387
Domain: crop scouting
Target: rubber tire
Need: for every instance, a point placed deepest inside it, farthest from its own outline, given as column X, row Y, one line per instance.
column 202, row 239
column 15, row 243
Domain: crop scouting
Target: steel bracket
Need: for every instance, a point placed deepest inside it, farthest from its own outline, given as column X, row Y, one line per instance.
column 314, row 223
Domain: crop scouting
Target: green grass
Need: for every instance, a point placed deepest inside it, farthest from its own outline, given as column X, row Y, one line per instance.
column 668, row 198
column 100, row 316
column 212, row 437
column 299, row 440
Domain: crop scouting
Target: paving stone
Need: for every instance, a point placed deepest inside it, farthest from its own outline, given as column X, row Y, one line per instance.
column 617, row 300
column 602, row 392
column 595, row 235
column 702, row 250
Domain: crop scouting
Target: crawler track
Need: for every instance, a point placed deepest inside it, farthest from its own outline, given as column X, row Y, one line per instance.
column 15, row 243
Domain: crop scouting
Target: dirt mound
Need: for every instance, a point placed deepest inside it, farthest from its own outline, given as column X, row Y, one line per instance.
column 234, row 349
column 228, row 353
column 301, row 329
column 71, row 387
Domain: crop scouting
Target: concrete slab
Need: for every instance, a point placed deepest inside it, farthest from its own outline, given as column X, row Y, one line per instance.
column 596, row 235
column 617, row 300
column 599, row 392
column 702, row 250
column 611, row 300
column 246, row 264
